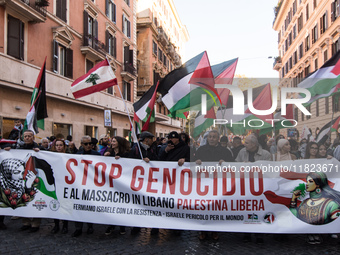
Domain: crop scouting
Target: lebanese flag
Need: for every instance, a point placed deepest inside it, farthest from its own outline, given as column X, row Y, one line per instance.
column 100, row 77
column 38, row 111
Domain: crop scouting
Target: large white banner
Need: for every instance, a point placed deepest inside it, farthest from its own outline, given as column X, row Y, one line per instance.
column 298, row 196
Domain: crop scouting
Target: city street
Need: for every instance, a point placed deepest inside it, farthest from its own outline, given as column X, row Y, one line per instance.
column 14, row 241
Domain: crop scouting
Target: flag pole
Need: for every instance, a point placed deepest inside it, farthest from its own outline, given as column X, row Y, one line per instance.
column 126, row 109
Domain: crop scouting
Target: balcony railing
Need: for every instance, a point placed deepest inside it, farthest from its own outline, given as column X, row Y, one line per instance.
column 38, row 5
column 128, row 67
column 93, row 42
column 30, row 10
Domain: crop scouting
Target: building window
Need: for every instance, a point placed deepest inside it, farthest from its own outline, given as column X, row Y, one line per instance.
column 290, row 39
column 156, row 77
column 61, row 11
column 294, row 7
column 62, row 60
column 111, row 44
column 89, row 65
column 307, row 43
column 15, row 38
column 317, row 108
column 127, row 2
column 335, row 100
column 90, row 31
column 325, row 56
column 300, row 22
column 301, row 50
column 315, row 4
column 160, row 55
column 315, row 34
column 308, row 109
column 307, row 12
column 154, row 48
column 335, row 47
column 127, row 91
column 126, row 26
column 110, row 90
column 296, row 114
column 334, row 10
column 91, row 131
column 294, row 32
column 316, row 64
column 110, row 9
column 326, row 105
column 64, row 129
column 323, row 23
column 295, row 58
column 307, row 71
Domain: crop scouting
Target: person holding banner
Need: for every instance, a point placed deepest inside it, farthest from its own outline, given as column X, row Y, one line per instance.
column 86, row 144
column 252, row 152
column 322, row 206
column 119, row 148
column 148, row 153
column 212, row 152
column 33, row 224
column 60, row 147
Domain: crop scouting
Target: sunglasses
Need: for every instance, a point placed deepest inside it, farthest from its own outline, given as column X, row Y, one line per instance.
column 87, row 144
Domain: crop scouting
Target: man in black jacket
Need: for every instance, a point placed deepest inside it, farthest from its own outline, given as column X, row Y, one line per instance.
column 176, row 150
column 212, row 152
column 87, row 145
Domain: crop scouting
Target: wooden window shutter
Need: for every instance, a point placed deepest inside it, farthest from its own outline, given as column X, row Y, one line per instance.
column 69, row 63
column 131, row 57
column 123, row 24
column 332, row 11
column 63, row 10
column 86, row 29
column 113, row 13
column 114, row 47
column 95, row 39
column 107, row 43
column 128, row 88
column 107, row 8
column 128, row 29
column 55, row 57
column 126, row 54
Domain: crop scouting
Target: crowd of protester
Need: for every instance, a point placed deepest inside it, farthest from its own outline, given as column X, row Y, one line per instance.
column 177, row 147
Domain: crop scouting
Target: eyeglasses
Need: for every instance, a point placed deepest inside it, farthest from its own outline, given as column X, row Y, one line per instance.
column 314, row 148
column 87, row 144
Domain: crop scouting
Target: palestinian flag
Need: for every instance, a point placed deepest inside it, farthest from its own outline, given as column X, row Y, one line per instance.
column 325, row 131
column 44, row 174
column 100, row 77
column 182, row 88
column 38, row 111
column 325, row 81
column 224, row 74
column 141, row 107
column 150, row 110
column 261, row 100
column 202, row 122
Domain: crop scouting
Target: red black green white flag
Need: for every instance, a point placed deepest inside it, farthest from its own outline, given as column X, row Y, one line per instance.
column 325, row 81
column 38, row 111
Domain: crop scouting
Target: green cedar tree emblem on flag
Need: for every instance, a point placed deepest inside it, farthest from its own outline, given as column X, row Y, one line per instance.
column 93, row 78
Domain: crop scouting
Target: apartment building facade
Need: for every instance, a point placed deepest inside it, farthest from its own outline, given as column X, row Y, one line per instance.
column 308, row 35
column 74, row 36
column 160, row 40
